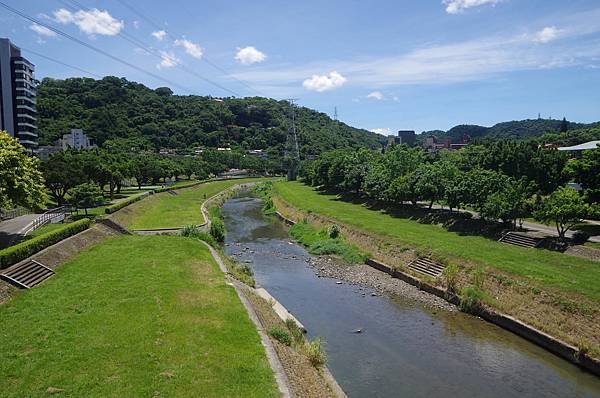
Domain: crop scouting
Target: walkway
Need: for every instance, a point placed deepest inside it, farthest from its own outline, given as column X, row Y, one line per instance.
column 13, row 230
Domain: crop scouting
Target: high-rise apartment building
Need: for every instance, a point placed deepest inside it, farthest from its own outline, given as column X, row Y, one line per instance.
column 17, row 95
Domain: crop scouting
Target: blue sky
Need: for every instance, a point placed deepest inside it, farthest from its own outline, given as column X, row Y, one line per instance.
column 385, row 65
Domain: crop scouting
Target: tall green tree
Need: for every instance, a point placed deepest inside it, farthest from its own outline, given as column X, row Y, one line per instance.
column 565, row 208
column 85, row 196
column 21, row 182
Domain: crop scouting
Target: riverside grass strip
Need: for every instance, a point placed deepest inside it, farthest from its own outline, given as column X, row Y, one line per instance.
column 555, row 270
column 174, row 211
column 133, row 316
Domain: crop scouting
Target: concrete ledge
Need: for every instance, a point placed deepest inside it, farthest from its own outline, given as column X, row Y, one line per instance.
column 279, row 309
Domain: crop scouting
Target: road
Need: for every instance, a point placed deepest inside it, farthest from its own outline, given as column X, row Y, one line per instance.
column 13, row 230
column 533, row 226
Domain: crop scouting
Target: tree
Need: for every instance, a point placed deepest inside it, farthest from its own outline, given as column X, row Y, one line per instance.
column 21, row 182
column 86, row 195
column 586, row 171
column 62, row 172
column 564, row 125
column 356, row 168
column 565, row 207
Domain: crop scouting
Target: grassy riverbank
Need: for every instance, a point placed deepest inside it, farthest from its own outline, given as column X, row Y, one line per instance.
column 165, row 210
column 557, row 293
column 133, row 316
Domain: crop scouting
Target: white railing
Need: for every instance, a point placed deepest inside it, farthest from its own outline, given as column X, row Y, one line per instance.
column 57, row 213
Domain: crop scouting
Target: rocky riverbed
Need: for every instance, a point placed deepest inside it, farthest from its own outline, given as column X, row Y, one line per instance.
column 367, row 278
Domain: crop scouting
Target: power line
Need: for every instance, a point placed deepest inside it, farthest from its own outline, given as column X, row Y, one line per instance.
column 204, row 58
column 136, row 42
column 60, row 62
column 89, row 46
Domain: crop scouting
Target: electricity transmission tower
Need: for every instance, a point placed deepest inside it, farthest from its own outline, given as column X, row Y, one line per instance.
column 292, row 153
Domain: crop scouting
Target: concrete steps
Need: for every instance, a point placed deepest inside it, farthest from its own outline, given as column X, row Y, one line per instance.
column 27, row 275
column 516, row 239
column 427, row 266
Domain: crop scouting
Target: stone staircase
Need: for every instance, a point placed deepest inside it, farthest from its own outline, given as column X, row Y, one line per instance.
column 516, row 239
column 426, row 266
column 26, row 275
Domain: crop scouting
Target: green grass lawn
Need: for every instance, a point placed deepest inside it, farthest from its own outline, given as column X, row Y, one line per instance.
column 550, row 268
column 174, row 211
column 44, row 229
column 133, row 317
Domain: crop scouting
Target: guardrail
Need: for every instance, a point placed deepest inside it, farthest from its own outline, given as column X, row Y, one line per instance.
column 48, row 216
column 8, row 214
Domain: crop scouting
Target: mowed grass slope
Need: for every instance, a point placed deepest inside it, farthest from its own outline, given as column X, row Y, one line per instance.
column 550, row 268
column 164, row 210
column 133, row 317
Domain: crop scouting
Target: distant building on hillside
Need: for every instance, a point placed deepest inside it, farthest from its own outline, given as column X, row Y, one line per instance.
column 405, row 137
column 18, row 112
column 258, row 153
column 76, row 139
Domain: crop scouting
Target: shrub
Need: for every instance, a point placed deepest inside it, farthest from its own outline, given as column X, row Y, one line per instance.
column 450, row 276
column 281, row 335
column 334, row 231
column 295, row 330
column 13, row 254
column 194, row 231
column 217, row 230
column 471, row 299
column 124, row 203
column 580, row 237
column 315, row 353
column 268, row 206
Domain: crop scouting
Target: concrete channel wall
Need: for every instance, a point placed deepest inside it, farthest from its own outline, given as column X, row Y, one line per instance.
column 554, row 345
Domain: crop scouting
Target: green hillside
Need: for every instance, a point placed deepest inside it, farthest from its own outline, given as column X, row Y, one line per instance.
column 117, row 108
column 516, row 129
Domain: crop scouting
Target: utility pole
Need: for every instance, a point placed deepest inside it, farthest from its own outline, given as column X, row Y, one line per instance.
column 292, row 152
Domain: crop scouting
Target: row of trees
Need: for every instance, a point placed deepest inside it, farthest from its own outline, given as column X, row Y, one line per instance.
column 503, row 181
column 112, row 168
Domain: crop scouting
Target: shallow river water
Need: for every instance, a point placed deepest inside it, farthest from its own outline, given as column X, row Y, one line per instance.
column 405, row 349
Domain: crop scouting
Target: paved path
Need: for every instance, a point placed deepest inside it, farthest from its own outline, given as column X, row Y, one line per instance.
column 531, row 226
column 11, row 231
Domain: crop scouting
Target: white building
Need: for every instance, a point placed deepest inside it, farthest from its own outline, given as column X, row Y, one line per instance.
column 76, row 139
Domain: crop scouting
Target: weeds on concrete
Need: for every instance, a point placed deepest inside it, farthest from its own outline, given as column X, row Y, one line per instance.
column 281, row 335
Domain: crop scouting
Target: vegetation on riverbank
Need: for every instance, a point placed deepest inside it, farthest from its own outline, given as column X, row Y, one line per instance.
column 133, row 316
column 556, row 293
column 326, row 241
column 166, row 210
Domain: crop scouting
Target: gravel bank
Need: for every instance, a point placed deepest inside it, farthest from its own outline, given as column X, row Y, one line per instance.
column 366, row 277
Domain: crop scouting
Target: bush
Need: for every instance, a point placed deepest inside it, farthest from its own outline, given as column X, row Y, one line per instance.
column 124, row 203
column 471, row 299
column 281, row 335
column 194, row 231
column 580, row 237
column 13, row 254
column 334, row 231
column 315, row 352
column 450, row 276
column 217, row 230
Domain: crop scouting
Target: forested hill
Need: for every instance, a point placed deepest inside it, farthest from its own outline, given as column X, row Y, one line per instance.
column 117, row 108
column 517, row 129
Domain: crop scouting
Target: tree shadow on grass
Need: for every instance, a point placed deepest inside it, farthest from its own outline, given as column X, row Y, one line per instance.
column 463, row 224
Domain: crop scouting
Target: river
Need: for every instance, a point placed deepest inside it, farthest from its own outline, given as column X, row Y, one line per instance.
column 405, row 349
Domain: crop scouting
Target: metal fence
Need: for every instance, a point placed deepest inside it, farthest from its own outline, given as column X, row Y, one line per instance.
column 7, row 214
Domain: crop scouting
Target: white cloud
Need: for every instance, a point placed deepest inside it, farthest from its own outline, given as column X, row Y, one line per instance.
column 250, row 55
column 191, row 48
column 42, row 30
column 136, row 24
column 458, row 6
column 382, row 131
column 91, row 22
column 377, row 95
column 159, row 35
column 547, row 34
column 322, row 83
column 168, row 60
